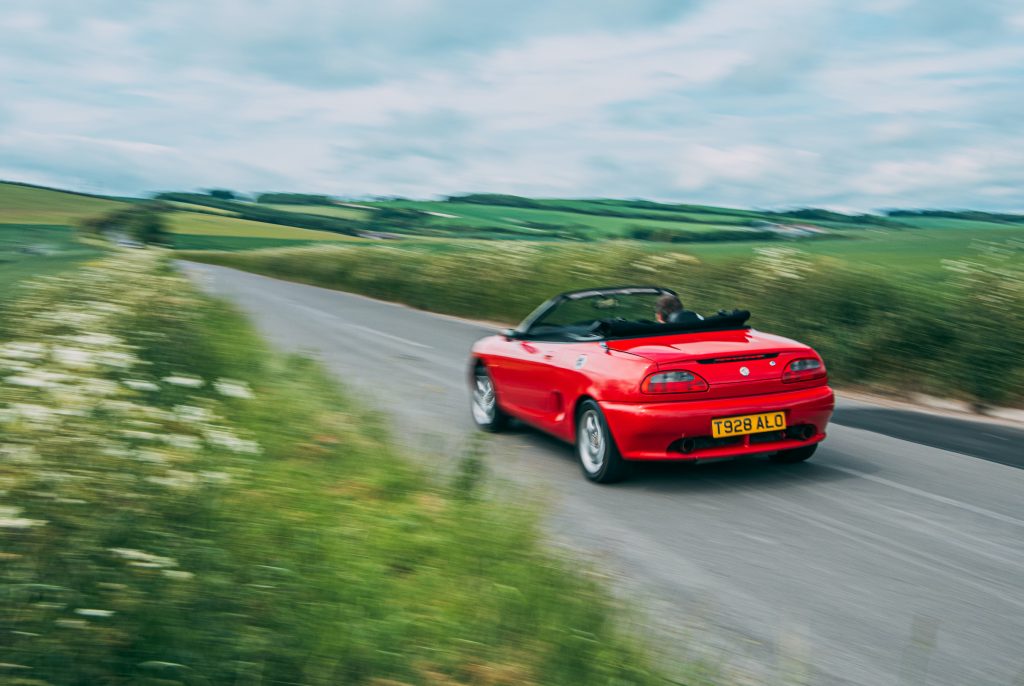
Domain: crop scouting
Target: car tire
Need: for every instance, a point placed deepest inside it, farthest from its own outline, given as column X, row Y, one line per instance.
column 483, row 400
column 794, row 455
column 595, row 448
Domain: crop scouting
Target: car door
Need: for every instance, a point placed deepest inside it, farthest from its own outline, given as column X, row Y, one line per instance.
column 555, row 379
column 514, row 368
column 527, row 378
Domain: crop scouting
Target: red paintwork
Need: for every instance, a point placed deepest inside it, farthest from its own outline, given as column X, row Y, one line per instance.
column 538, row 382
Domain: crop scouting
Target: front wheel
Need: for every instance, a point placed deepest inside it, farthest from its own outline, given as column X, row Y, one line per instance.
column 595, row 448
column 484, row 403
column 794, row 455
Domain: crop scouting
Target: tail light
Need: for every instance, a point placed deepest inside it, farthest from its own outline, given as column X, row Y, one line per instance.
column 674, row 382
column 804, row 369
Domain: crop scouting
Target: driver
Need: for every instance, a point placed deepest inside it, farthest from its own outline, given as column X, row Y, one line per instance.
column 669, row 310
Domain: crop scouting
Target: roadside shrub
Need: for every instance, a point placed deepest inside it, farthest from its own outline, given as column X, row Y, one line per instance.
column 874, row 328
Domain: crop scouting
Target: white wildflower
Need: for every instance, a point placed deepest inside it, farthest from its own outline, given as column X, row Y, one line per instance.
column 140, row 558
column 73, row 357
column 20, row 523
column 112, row 358
column 181, row 380
column 30, row 380
column 174, row 479
column 192, row 413
column 89, row 612
column 9, row 519
column 225, row 439
column 19, row 350
column 216, row 477
column 182, row 441
column 233, row 389
column 140, row 385
column 152, row 457
column 178, row 574
column 18, row 453
column 98, row 340
column 38, row 414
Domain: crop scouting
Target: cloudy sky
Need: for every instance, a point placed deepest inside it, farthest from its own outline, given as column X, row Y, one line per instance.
column 764, row 103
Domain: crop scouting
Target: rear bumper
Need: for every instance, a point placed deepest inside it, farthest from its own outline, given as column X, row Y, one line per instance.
column 655, row 431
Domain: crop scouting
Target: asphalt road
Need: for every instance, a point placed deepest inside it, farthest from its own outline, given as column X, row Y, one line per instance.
column 881, row 561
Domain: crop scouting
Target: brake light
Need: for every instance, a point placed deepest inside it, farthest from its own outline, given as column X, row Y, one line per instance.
column 674, row 382
column 804, row 369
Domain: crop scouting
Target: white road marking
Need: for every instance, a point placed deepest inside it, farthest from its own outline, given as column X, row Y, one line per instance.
column 931, row 496
column 889, row 546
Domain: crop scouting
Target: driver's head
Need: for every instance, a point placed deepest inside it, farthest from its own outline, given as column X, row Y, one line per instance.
column 666, row 305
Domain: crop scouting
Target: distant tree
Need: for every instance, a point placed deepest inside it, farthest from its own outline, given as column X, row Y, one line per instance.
column 146, row 224
column 95, row 225
column 495, row 199
column 143, row 222
column 222, row 194
column 293, row 199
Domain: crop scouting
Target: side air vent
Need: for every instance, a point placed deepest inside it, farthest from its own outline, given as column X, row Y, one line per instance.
column 737, row 358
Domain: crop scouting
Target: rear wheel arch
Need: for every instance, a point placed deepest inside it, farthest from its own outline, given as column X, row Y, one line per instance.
column 576, row 406
column 594, row 445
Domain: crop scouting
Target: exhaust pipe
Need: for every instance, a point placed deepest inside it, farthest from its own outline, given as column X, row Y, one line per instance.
column 687, row 445
column 802, row 433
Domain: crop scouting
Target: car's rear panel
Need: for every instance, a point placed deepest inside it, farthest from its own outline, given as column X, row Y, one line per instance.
column 681, row 430
column 744, row 373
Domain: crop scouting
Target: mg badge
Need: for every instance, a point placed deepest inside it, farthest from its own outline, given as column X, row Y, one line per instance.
column 772, row 363
column 744, row 371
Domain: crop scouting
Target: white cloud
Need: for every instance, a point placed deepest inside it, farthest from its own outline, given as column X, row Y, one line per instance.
column 751, row 102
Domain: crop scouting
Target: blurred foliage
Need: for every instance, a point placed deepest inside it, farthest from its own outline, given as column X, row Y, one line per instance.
column 970, row 215
column 180, row 506
column 294, row 199
column 141, row 222
column 647, row 233
column 875, row 328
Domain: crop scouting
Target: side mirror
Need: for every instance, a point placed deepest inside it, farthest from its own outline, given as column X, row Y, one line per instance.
column 510, row 334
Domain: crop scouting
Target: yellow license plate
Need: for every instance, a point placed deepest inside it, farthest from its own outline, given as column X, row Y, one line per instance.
column 748, row 424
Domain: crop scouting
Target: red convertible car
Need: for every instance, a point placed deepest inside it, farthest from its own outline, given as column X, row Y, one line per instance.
column 593, row 368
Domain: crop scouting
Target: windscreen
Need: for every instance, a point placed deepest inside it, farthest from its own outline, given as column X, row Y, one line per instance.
column 583, row 312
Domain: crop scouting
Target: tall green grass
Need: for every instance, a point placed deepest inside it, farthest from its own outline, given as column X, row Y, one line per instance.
column 182, row 506
column 957, row 335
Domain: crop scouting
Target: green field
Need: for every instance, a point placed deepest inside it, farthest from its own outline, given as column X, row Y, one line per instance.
column 189, row 207
column 473, row 216
column 326, row 211
column 196, row 224
column 914, row 246
column 32, row 250
column 46, row 215
column 30, row 205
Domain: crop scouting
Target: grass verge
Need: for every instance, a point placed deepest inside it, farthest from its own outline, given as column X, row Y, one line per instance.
column 181, row 506
column 877, row 328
